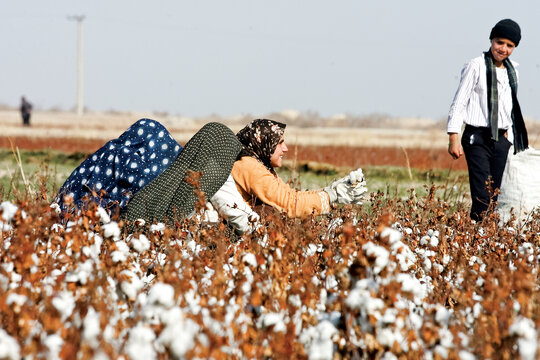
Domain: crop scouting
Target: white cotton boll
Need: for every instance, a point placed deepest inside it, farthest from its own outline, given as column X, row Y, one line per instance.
column 392, row 235
column 446, row 338
column 389, row 316
column 389, row 356
column 380, row 254
column 311, row 250
column 425, row 240
column 161, row 294
column 103, row 215
column 434, row 241
column 9, row 347
column 528, row 338
column 159, row 227
column 516, row 306
column 477, row 309
column 250, row 259
column 246, row 286
column 272, row 319
column 408, row 231
column 121, row 254
column 446, row 259
column 362, row 299
column 404, row 255
column 82, row 272
column 441, row 351
column 54, row 344
column 317, row 341
column 64, row 303
column 331, row 282
column 132, row 285
column 465, row 355
column 17, row 299
column 91, row 328
column 427, row 264
column 8, row 210
column 140, row 343
column 179, row 334
column 411, row 285
column 387, row 337
column 140, row 243
column 56, row 208
column 480, row 281
column 295, row 300
column 111, row 230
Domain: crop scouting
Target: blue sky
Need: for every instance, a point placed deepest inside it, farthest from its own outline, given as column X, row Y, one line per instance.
column 195, row 58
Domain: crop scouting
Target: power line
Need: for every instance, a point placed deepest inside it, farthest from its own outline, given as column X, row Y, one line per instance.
column 79, row 19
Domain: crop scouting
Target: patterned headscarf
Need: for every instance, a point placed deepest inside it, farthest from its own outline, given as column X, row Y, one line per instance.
column 260, row 139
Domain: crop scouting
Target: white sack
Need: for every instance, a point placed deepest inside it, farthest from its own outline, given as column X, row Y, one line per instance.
column 520, row 188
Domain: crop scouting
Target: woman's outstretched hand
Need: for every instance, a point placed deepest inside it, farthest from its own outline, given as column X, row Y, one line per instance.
column 349, row 189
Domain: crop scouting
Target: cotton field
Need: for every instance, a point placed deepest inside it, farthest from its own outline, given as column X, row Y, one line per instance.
column 393, row 280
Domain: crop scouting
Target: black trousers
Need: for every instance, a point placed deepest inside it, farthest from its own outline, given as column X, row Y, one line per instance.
column 486, row 160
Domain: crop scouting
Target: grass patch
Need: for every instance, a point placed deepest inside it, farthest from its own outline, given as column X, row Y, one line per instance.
column 53, row 167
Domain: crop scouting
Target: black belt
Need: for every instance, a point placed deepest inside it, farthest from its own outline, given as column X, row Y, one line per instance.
column 483, row 129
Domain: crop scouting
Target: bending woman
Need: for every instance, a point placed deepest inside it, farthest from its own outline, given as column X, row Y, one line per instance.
column 257, row 181
column 144, row 174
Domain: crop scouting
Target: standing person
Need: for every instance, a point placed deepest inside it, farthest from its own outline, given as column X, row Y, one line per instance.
column 486, row 102
column 257, row 181
column 26, row 111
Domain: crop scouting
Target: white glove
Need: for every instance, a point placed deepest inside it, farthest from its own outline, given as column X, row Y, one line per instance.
column 349, row 189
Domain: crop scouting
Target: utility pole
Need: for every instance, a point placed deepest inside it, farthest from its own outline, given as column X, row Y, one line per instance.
column 80, row 105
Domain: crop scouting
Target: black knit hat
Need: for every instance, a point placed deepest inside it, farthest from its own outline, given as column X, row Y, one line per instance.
column 506, row 29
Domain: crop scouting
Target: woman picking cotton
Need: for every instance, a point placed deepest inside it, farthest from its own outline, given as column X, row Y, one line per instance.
column 145, row 174
column 258, row 183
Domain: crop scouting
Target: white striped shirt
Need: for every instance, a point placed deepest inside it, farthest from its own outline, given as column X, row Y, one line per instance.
column 470, row 102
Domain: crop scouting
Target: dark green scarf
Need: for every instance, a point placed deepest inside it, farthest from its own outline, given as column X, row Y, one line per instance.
column 211, row 151
column 521, row 141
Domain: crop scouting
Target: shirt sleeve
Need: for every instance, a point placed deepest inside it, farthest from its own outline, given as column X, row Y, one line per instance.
column 458, row 109
column 255, row 180
column 230, row 204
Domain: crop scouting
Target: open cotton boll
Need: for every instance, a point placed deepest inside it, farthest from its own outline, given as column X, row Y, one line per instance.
column 132, row 285
column 81, row 273
column 272, row 319
column 122, row 253
column 161, row 295
column 380, row 254
column 103, row 215
column 179, row 334
column 528, row 338
column 392, row 235
column 140, row 343
column 139, row 243
column 111, row 230
column 54, row 344
column 91, row 328
column 250, row 259
column 159, row 227
column 64, row 303
column 9, row 347
column 8, row 210
column 317, row 341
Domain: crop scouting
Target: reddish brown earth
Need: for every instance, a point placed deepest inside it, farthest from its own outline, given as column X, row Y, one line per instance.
column 346, row 156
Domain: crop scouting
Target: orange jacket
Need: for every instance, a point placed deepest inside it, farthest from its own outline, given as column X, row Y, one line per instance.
column 254, row 181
